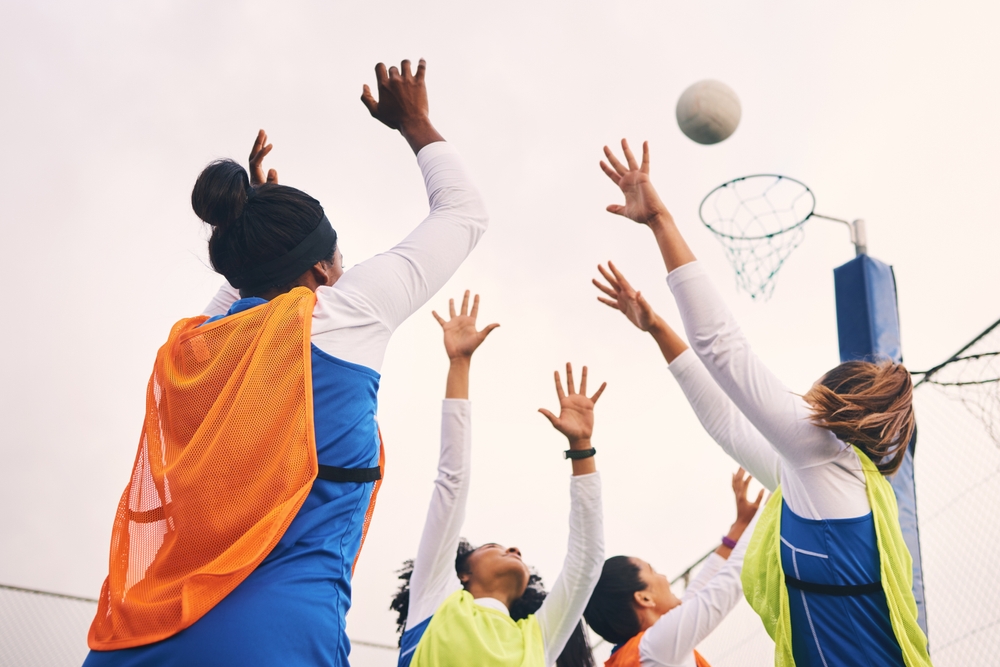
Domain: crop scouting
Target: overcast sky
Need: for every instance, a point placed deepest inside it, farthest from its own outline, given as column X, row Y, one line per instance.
column 888, row 111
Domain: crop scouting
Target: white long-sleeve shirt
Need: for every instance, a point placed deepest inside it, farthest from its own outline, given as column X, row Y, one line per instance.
column 434, row 577
column 671, row 641
column 821, row 476
column 355, row 317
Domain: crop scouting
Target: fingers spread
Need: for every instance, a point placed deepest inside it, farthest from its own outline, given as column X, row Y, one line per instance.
column 421, row 70
column 451, row 308
column 381, row 76
column 583, row 381
column 621, row 282
column 437, row 317
column 597, row 394
column 612, row 174
column 604, row 288
column 465, row 303
column 645, row 158
column 475, row 307
column 394, row 73
column 559, row 388
column 619, row 167
column 609, row 277
column 405, row 69
column 628, row 155
column 569, row 378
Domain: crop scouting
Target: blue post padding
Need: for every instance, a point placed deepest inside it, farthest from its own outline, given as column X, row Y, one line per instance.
column 868, row 329
column 867, row 319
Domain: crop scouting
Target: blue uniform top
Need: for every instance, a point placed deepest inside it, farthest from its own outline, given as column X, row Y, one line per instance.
column 291, row 609
column 836, row 630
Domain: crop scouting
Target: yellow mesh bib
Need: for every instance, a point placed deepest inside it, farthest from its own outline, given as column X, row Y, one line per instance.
column 764, row 579
column 463, row 633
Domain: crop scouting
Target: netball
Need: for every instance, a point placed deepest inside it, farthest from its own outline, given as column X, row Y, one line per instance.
column 416, row 335
column 708, row 112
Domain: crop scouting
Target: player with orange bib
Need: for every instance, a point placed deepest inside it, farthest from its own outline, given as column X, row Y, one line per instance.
column 260, row 457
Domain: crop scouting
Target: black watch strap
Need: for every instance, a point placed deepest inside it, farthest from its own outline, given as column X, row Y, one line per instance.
column 577, row 454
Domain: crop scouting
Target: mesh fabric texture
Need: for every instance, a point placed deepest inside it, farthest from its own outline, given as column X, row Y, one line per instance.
column 764, row 581
column 226, row 458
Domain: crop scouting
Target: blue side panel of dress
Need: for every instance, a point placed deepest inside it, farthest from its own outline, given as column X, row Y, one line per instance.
column 408, row 642
column 291, row 609
column 828, row 630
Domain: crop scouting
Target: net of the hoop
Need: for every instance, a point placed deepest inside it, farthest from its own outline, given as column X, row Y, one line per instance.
column 758, row 219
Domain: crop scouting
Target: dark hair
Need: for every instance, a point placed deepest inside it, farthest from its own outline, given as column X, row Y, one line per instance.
column 251, row 226
column 868, row 405
column 577, row 651
column 611, row 611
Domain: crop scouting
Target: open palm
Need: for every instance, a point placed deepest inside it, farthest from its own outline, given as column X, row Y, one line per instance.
column 621, row 296
column 460, row 335
column 576, row 410
column 642, row 203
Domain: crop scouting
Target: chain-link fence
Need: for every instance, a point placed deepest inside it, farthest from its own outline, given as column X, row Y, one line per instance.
column 957, row 466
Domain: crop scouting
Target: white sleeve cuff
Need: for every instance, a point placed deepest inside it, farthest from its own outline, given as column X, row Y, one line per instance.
column 684, row 273
column 432, row 150
column 682, row 362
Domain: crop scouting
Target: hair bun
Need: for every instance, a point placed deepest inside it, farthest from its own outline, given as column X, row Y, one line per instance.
column 221, row 193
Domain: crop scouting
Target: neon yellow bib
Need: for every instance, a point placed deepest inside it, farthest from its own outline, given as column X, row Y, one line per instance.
column 463, row 633
column 764, row 580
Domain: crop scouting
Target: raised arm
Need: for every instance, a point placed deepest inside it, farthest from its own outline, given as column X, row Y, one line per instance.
column 394, row 284
column 434, row 576
column 563, row 607
column 718, row 415
column 671, row 640
column 780, row 416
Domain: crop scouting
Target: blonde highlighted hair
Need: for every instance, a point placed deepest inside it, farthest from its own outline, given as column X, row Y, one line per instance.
column 869, row 405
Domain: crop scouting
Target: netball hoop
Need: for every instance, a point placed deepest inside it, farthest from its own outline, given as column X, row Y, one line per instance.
column 759, row 220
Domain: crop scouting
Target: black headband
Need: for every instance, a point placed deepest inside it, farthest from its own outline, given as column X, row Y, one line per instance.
column 281, row 271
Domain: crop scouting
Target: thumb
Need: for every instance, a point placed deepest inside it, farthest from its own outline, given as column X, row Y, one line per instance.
column 617, row 209
column 369, row 100
column 486, row 332
column 548, row 415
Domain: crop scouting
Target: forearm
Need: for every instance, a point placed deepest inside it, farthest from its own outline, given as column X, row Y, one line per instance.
column 434, row 576
column 673, row 248
column 587, row 466
column 571, row 590
column 735, row 533
column 420, row 133
column 457, row 385
column 671, row 344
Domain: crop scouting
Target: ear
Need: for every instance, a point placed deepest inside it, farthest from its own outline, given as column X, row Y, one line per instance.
column 643, row 599
column 322, row 272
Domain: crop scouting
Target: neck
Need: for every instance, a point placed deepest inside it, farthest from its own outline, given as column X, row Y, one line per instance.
column 650, row 615
column 502, row 593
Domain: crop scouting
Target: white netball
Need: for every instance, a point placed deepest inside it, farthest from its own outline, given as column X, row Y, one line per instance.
column 708, row 112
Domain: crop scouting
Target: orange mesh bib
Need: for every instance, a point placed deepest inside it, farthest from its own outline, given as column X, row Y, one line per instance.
column 628, row 655
column 226, row 458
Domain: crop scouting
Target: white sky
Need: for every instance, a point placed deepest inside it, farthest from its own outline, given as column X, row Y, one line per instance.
column 886, row 110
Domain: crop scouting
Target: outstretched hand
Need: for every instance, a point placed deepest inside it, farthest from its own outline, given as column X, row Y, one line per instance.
column 621, row 296
column 402, row 103
column 460, row 335
column 257, row 153
column 745, row 508
column 642, row 203
column 576, row 410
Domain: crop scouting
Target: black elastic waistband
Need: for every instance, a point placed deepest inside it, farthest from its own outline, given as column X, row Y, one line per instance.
column 334, row 474
column 833, row 589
